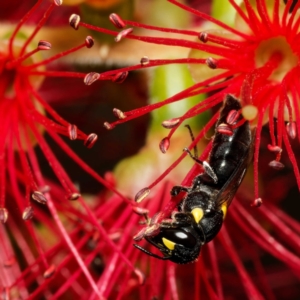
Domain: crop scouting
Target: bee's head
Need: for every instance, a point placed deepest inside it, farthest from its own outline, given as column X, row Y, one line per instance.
column 180, row 245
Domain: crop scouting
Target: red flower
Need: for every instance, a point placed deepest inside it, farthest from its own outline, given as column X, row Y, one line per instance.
column 257, row 62
column 26, row 117
column 88, row 251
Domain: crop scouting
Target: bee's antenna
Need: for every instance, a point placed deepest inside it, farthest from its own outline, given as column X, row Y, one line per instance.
column 150, row 253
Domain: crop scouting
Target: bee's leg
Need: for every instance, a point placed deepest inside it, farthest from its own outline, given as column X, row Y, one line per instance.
column 208, row 169
column 178, row 219
column 192, row 137
column 182, row 219
column 179, row 188
column 142, row 212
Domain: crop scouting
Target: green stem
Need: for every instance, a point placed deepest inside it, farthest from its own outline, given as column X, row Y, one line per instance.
column 167, row 81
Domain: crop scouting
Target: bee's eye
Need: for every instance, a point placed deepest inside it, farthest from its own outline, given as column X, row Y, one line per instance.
column 177, row 236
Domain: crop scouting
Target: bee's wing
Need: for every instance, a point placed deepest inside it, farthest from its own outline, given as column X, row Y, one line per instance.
column 227, row 192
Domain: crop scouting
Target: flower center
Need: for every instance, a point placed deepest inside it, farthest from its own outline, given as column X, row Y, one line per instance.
column 9, row 68
column 14, row 91
column 7, row 77
column 276, row 45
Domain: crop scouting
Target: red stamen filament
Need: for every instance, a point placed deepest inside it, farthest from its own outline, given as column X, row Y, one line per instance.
column 38, row 27
column 13, row 63
column 22, row 21
column 51, row 59
column 209, row 18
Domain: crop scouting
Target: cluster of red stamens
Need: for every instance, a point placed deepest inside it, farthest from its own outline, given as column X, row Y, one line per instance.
column 26, row 116
column 266, row 81
column 23, row 112
column 107, row 228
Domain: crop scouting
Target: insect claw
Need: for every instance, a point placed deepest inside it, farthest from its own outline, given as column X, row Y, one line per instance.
column 208, row 169
column 193, row 156
column 177, row 189
column 192, row 137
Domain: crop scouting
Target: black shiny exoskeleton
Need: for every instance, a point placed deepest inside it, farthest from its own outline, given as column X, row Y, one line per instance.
column 201, row 212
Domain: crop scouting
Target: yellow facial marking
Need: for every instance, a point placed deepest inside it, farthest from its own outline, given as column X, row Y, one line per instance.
column 197, row 214
column 170, row 245
column 224, row 210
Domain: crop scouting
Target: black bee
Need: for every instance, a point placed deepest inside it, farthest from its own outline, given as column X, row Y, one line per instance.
column 201, row 212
